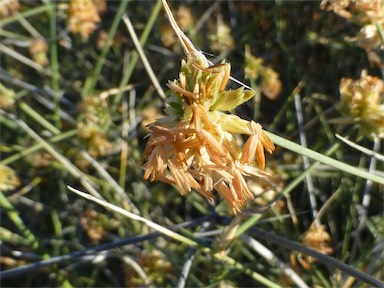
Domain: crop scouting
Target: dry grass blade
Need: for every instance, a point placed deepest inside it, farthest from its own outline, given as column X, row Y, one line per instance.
column 187, row 45
column 136, row 217
column 25, row 60
column 143, row 58
column 358, row 147
column 270, row 257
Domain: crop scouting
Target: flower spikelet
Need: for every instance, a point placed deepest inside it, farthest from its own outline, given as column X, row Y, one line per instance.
column 265, row 76
column 369, row 15
column 362, row 101
column 8, row 178
column 194, row 146
column 8, row 7
column 7, row 97
column 38, row 51
column 93, row 125
column 83, row 17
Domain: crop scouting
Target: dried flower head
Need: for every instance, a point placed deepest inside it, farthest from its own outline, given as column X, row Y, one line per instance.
column 368, row 37
column 95, row 140
column 8, row 7
column 7, row 97
column 369, row 15
column 221, row 38
column 316, row 238
column 167, row 35
column 358, row 11
column 96, row 225
column 38, row 50
column 102, row 38
column 8, row 178
column 94, row 110
column 40, row 159
column 339, row 7
column 157, row 268
column 194, row 146
column 184, row 17
column 268, row 78
column 362, row 101
column 83, row 17
column 93, row 124
column 271, row 84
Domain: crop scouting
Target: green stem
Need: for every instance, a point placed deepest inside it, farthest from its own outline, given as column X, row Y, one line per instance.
column 38, row 118
column 134, row 55
column 54, row 63
column 37, row 147
column 15, row 218
column 30, row 12
column 90, row 82
column 323, row 158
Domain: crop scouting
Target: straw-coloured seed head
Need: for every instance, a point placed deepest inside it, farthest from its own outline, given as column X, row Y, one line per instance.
column 194, row 147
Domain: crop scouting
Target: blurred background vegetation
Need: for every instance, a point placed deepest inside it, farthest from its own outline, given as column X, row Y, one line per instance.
column 75, row 100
